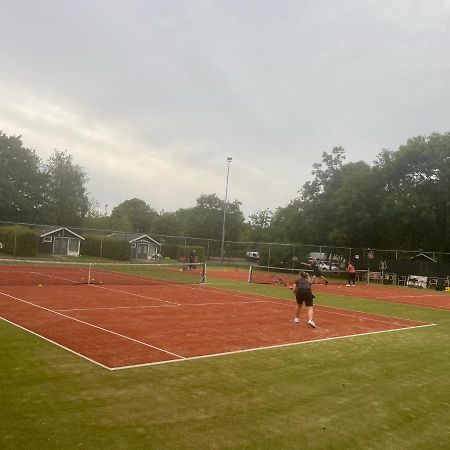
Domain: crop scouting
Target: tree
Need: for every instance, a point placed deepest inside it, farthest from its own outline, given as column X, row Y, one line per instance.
column 67, row 202
column 308, row 218
column 416, row 193
column 21, row 182
column 167, row 223
column 356, row 205
column 325, row 178
column 206, row 219
column 140, row 215
column 261, row 219
column 258, row 227
column 96, row 217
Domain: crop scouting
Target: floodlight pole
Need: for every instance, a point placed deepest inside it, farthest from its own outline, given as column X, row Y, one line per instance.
column 222, row 248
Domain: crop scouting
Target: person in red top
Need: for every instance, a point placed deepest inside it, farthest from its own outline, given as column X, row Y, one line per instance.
column 351, row 274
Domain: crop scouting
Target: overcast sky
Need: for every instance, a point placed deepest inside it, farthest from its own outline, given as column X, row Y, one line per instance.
column 151, row 96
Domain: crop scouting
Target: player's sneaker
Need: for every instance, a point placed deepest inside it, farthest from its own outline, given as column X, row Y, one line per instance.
column 326, row 282
column 311, row 323
column 296, row 320
column 347, row 285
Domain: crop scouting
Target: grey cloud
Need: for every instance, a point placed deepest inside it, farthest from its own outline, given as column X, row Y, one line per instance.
column 180, row 85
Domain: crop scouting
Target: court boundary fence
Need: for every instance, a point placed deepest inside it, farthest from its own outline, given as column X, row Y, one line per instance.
column 280, row 254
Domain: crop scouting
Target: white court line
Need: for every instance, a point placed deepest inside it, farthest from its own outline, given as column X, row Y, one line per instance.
column 133, row 294
column 316, row 307
column 290, row 344
column 222, row 291
column 55, row 277
column 368, row 318
column 91, row 325
column 165, row 306
column 57, row 344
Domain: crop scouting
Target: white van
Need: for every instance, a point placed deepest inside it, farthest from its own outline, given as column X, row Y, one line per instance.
column 317, row 256
column 252, row 255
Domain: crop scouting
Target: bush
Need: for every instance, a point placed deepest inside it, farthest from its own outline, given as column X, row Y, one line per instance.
column 113, row 248
column 19, row 241
column 169, row 251
column 92, row 246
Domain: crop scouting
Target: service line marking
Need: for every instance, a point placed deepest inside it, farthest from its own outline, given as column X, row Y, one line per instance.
column 91, row 325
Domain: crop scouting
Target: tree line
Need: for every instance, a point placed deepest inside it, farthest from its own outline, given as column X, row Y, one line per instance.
column 401, row 201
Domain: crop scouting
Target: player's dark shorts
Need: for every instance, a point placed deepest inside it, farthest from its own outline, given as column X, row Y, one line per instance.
column 317, row 272
column 304, row 296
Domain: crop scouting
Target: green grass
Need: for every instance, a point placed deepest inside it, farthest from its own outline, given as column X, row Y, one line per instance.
column 381, row 391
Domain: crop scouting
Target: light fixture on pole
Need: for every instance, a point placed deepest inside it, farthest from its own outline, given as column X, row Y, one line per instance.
column 222, row 248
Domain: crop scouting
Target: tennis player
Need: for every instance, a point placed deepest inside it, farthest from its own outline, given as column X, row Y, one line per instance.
column 317, row 273
column 351, row 274
column 303, row 294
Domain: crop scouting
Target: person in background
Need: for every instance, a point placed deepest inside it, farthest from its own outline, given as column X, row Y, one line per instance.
column 303, row 294
column 193, row 260
column 351, row 274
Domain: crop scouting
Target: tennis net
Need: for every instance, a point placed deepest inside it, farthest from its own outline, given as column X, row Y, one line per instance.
column 272, row 275
column 283, row 276
column 35, row 273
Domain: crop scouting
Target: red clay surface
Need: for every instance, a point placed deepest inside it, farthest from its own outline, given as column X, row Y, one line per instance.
column 122, row 326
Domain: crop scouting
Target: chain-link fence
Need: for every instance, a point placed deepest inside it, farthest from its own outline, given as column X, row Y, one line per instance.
column 274, row 254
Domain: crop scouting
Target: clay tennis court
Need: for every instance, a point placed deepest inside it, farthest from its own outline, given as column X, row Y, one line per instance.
column 122, row 326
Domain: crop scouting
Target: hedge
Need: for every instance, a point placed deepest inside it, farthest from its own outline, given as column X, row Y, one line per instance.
column 113, row 248
column 169, row 251
column 19, row 241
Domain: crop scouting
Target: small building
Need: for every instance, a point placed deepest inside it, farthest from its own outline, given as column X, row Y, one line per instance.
column 422, row 257
column 144, row 247
column 60, row 241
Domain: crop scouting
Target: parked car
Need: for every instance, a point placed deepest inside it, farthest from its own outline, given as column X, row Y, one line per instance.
column 318, row 256
column 327, row 266
column 252, row 255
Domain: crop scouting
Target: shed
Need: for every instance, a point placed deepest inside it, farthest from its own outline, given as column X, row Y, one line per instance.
column 422, row 257
column 144, row 247
column 60, row 241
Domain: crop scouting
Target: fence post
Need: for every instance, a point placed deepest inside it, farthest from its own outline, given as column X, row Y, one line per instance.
column 15, row 242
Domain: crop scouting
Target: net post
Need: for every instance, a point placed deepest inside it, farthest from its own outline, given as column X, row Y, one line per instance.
column 89, row 274
column 250, row 272
column 203, row 276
